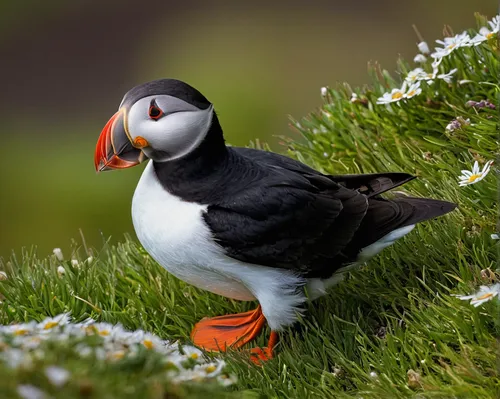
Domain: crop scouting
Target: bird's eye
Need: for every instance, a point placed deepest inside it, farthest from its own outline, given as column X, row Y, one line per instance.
column 155, row 112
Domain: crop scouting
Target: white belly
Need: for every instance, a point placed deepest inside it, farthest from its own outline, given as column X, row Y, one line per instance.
column 175, row 235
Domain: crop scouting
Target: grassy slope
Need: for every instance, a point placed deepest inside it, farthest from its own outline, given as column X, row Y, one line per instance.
column 394, row 317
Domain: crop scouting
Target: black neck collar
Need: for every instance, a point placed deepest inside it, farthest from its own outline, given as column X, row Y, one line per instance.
column 188, row 176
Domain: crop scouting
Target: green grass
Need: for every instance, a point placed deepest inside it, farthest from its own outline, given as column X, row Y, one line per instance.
column 392, row 329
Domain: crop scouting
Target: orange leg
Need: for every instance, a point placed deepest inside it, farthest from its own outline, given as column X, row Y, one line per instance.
column 259, row 355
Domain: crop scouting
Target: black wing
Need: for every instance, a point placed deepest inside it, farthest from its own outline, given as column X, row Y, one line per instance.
column 289, row 219
column 291, row 216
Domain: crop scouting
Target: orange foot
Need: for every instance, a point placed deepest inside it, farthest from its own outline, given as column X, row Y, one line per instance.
column 233, row 331
column 260, row 355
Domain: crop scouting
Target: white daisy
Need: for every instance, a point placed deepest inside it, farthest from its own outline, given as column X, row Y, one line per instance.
column 176, row 359
column 61, row 271
column 413, row 90
column 450, row 44
column 192, row 353
column 21, row 329
column 475, row 175
column 3, row 276
column 117, row 354
column 485, row 33
column 393, row 96
column 188, row 375
column 28, row 343
column 423, row 47
column 447, row 76
column 415, row 75
column 51, row 322
column 420, row 58
column 211, row 369
column 75, row 330
column 495, row 24
column 83, row 350
column 28, row 391
column 130, row 338
column 151, row 341
column 324, row 91
column 429, row 76
column 226, row 380
column 354, row 98
column 123, row 336
column 105, row 330
column 58, row 253
column 485, row 294
column 57, row 375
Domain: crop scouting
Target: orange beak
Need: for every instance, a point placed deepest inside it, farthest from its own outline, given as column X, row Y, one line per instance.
column 114, row 149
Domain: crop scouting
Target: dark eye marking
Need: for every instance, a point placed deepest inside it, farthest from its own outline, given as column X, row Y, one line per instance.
column 155, row 112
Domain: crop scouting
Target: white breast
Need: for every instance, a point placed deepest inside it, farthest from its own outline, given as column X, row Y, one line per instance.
column 175, row 235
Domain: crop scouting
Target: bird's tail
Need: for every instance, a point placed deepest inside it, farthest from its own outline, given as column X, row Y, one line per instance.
column 421, row 209
column 398, row 215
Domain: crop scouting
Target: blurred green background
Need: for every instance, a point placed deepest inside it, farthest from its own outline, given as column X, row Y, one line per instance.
column 65, row 65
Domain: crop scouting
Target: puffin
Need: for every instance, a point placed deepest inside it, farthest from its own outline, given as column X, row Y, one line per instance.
column 243, row 223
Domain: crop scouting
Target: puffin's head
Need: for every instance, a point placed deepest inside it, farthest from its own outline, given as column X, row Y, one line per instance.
column 161, row 120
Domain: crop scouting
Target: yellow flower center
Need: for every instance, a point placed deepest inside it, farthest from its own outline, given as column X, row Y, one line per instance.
column 50, row 324
column 148, row 343
column 488, row 295
column 473, row 178
column 119, row 355
column 90, row 330
column 104, row 333
column 452, row 46
column 194, row 356
column 210, row 369
column 21, row 331
column 397, row 95
column 411, row 93
column 490, row 35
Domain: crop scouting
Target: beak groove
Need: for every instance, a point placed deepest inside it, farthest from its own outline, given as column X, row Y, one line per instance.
column 114, row 149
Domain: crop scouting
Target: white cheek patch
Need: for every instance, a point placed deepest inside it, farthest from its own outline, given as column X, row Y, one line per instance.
column 181, row 132
column 171, row 136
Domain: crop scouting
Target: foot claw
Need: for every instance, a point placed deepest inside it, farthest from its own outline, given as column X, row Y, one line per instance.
column 260, row 355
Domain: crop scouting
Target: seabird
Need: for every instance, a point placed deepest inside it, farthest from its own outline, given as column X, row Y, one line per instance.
column 243, row 223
